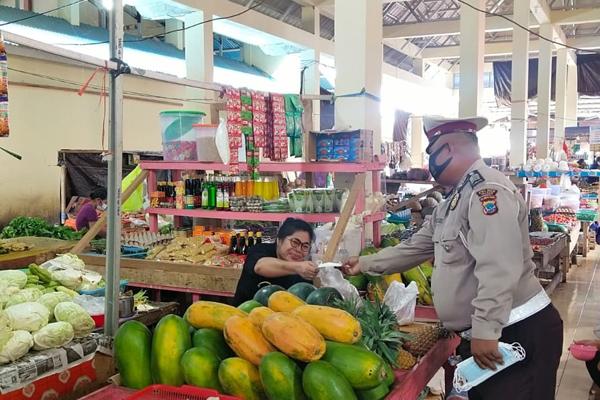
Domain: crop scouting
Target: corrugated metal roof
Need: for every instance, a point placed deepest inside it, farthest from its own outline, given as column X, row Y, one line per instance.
column 95, row 34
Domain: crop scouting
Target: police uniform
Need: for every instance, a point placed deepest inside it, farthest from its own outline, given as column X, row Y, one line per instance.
column 483, row 282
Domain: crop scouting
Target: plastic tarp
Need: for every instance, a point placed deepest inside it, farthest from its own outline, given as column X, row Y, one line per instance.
column 588, row 77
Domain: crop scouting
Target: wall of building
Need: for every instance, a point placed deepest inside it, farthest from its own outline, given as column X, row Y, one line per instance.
column 46, row 116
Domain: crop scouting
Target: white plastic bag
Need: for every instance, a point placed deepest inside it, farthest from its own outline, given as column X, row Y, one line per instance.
column 333, row 277
column 402, row 300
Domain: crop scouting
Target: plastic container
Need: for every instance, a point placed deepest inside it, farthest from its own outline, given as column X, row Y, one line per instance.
column 583, row 352
column 536, row 200
column 555, row 190
column 101, row 291
column 98, row 320
column 164, row 392
column 206, row 143
column 178, row 135
column 551, row 203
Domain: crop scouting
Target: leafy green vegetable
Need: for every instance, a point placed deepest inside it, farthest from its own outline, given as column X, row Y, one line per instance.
column 28, row 316
column 14, row 277
column 34, row 226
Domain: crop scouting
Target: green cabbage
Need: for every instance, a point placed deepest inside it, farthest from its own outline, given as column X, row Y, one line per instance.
column 14, row 345
column 24, row 296
column 28, row 316
column 50, row 300
column 56, row 334
column 76, row 315
column 6, row 292
column 14, row 278
column 5, row 323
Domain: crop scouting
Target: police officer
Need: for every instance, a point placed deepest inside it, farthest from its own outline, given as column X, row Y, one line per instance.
column 483, row 284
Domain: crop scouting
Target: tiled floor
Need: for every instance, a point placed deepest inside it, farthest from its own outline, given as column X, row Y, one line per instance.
column 578, row 302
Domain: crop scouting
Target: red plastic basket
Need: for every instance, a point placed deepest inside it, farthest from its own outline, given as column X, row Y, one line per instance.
column 165, row 392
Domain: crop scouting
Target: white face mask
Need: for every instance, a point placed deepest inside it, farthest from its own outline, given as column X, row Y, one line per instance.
column 103, row 206
column 468, row 374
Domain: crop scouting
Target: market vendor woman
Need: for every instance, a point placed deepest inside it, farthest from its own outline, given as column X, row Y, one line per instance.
column 88, row 214
column 282, row 263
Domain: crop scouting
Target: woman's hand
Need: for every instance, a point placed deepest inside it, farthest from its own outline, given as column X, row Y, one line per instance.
column 307, row 270
column 595, row 343
column 351, row 266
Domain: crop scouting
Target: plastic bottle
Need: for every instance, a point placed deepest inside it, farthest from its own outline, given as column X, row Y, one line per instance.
column 219, row 195
column 205, row 202
column 212, row 194
column 258, row 237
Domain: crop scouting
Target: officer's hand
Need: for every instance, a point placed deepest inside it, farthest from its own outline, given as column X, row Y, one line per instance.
column 486, row 353
column 307, row 270
column 351, row 266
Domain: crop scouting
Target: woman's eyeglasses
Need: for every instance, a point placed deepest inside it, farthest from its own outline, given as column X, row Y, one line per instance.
column 297, row 244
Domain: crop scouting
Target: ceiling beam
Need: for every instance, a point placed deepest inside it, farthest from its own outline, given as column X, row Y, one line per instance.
column 506, row 48
column 492, row 24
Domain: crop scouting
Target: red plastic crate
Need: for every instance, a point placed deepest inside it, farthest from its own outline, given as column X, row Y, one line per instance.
column 165, row 392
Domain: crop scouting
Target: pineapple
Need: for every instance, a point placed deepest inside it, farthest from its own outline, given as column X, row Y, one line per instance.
column 405, row 360
column 375, row 291
column 378, row 325
column 424, row 339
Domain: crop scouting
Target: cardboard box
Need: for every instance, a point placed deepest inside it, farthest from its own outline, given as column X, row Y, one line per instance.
column 57, row 386
column 349, row 146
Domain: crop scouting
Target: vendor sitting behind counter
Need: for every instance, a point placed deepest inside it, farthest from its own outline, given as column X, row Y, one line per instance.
column 283, row 263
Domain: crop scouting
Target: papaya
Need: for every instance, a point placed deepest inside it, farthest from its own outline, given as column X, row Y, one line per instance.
column 390, row 377
column 325, row 296
column 210, row 314
column 391, row 278
column 302, row 290
column 249, row 305
column 259, row 314
column 333, row 323
column 294, row 337
column 170, row 341
column 240, row 378
column 361, row 367
column 377, row 393
column 246, row 340
column 132, row 346
column 322, row 381
column 281, row 377
column 263, row 294
column 213, row 340
column 284, row 302
column 201, row 368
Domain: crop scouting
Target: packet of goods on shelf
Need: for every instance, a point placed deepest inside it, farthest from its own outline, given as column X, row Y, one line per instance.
column 4, row 128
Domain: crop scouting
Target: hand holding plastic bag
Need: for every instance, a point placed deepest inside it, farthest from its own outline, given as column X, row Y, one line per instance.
column 402, row 300
column 333, row 277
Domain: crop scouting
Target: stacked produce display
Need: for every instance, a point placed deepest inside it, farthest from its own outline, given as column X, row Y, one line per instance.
column 37, row 312
column 300, row 343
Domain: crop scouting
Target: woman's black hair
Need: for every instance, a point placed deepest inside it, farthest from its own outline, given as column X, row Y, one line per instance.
column 293, row 225
column 98, row 193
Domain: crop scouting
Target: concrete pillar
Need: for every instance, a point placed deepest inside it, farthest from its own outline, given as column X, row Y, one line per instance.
column 419, row 67
column 472, row 51
column 520, row 70
column 358, row 60
column 69, row 14
column 199, row 61
column 543, row 99
column 176, row 38
column 561, row 98
column 311, row 20
column 572, row 96
column 416, row 141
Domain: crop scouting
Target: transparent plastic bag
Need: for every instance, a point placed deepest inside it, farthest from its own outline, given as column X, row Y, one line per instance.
column 402, row 300
column 333, row 277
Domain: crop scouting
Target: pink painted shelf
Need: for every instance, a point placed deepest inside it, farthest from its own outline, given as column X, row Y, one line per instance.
column 264, row 166
column 252, row 216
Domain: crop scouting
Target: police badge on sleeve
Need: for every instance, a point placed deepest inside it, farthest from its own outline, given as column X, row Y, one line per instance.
column 487, row 197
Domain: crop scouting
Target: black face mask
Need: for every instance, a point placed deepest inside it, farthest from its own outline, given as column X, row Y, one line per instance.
column 435, row 168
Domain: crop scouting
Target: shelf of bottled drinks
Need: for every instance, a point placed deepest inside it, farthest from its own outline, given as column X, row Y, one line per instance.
column 217, row 192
